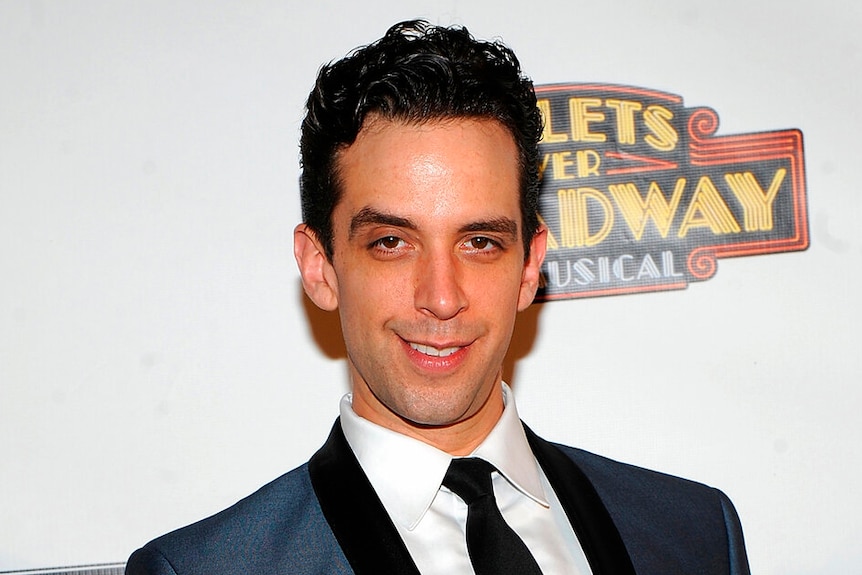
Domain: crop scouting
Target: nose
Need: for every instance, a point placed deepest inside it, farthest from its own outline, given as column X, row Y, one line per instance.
column 438, row 290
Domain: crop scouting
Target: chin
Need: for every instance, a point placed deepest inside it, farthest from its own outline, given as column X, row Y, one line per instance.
column 435, row 414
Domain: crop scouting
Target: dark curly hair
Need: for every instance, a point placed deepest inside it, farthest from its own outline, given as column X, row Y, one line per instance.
column 415, row 73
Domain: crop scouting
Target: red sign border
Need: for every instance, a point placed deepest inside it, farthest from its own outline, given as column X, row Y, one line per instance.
column 708, row 150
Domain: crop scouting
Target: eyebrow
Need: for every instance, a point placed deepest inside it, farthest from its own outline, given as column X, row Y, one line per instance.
column 505, row 226
column 369, row 216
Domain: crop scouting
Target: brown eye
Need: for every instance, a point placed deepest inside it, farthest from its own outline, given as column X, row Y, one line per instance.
column 480, row 243
column 389, row 242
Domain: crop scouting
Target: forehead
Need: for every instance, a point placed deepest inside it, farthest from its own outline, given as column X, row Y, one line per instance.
column 461, row 167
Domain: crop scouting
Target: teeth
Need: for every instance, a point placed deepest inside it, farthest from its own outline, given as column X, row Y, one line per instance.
column 433, row 351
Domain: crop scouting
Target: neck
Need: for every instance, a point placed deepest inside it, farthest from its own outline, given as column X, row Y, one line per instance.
column 457, row 438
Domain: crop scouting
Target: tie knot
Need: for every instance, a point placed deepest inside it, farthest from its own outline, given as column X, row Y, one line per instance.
column 469, row 478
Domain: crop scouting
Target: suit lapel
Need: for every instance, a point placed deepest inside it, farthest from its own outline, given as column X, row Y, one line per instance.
column 355, row 514
column 373, row 546
column 596, row 532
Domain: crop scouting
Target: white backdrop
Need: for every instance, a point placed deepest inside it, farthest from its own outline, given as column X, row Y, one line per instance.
column 156, row 359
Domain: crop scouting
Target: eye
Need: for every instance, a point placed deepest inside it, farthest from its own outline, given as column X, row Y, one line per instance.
column 388, row 245
column 389, row 242
column 481, row 244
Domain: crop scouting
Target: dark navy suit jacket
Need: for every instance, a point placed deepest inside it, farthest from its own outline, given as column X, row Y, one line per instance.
column 324, row 518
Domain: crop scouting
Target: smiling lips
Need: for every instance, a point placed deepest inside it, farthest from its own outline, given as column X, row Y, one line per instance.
column 436, row 360
column 433, row 351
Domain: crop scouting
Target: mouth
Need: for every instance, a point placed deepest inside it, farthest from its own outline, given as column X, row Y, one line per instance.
column 432, row 351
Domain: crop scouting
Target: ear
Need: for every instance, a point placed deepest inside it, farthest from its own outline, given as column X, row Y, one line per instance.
column 533, row 269
column 318, row 275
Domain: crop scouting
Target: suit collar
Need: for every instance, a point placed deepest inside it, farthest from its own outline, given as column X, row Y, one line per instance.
column 406, row 473
column 373, row 546
column 596, row 532
column 506, row 447
column 355, row 514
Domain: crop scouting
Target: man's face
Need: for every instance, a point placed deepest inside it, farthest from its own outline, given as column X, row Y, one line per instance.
column 428, row 272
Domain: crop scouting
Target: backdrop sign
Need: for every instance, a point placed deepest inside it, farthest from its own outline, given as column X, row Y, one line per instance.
column 639, row 195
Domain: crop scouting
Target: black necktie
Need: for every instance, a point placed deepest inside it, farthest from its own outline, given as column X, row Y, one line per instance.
column 494, row 548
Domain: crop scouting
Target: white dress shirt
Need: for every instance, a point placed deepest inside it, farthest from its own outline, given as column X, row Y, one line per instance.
column 407, row 473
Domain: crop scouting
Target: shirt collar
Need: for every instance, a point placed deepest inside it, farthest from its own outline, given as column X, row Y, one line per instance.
column 406, row 473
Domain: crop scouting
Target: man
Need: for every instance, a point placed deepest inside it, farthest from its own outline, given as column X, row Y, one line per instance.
column 419, row 194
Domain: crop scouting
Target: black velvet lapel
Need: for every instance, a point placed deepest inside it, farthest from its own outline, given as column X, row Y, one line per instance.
column 355, row 514
column 599, row 537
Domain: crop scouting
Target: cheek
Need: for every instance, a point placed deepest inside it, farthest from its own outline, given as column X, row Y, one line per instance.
column 494, row 287
column 367, row 283
column 369, row 298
